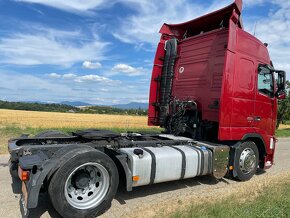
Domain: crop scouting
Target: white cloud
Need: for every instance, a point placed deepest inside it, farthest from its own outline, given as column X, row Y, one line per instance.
column 54, row 75
column 84, row 78
column 251, row 3
column 49, row 46
column 91, row 65
column 94, row 78
column 69, row 76
column 127, row 69
column 71, row 5
column 104, row 90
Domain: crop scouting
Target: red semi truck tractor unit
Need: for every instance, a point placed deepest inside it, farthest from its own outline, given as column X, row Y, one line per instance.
column 214, row 90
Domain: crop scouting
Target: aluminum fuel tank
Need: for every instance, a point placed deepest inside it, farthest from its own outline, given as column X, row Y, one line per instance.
column 167, row 163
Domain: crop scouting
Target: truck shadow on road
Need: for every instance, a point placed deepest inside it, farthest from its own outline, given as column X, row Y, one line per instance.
column 44, row 204
column 143, row 191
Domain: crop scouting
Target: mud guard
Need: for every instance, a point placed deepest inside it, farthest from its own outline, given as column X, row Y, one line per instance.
column 48, row 167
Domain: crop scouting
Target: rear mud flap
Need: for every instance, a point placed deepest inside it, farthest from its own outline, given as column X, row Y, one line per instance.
column 23, row 209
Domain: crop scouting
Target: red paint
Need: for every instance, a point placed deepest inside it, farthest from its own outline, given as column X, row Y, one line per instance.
column 220, row 63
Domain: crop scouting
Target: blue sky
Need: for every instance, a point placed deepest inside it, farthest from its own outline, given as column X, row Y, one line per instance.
column 101, row 51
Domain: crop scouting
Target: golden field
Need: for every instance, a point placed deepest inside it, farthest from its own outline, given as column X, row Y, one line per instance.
column 283, row 126
column 43, row 120
column 35, row 119
column 13, row 123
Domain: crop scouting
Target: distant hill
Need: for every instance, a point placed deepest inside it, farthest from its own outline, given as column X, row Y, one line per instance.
column 36, row 106
column 75, row 103
column 132, row 105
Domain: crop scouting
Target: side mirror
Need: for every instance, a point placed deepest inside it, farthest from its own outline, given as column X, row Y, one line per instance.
column 281, row 85
column 281, row 95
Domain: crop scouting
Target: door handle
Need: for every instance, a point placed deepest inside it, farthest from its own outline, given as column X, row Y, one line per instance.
column 258, row 118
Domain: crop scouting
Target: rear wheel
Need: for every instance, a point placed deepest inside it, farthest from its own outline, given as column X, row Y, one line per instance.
column 85, row 185
column 246, row 161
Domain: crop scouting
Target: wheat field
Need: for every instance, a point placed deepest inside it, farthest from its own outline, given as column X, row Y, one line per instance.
column 36, row 119
column 43, row 120
column 13, row 123
column 284, row 126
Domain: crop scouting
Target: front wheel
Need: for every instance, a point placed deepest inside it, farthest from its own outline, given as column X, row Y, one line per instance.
column 246, row 161
column 85, row 185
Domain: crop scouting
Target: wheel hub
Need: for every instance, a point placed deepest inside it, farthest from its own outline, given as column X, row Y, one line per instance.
column 87, row 186
column 247, row 160
column 81, row 180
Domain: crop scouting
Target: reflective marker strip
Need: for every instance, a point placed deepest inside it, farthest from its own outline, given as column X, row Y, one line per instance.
column 271, row 143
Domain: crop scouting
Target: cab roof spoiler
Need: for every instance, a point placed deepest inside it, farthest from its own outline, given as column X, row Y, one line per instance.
column 208, row 22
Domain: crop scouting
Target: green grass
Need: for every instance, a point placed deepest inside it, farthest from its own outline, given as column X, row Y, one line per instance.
column 13, row 131
column 283, row 132
column 274, row 201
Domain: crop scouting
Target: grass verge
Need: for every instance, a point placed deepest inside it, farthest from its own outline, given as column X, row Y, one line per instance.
column 283, row 132
column 272, row 200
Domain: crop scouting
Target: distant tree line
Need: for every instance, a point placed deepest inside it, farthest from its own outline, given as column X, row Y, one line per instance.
column 69, row 109
column 112, row 110
column 36, row 106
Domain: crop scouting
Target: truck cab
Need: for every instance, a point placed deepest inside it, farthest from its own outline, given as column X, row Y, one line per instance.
column 213, row 81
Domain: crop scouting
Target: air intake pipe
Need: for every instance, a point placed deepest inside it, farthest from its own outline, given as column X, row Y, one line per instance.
column 166, row 79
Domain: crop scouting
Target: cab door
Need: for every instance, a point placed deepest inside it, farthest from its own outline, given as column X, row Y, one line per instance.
column 264, row 122
column 243, row 95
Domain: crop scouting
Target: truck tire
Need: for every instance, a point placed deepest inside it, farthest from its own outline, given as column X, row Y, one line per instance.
column 246, row 161
column 85, row 185
column 50, row 133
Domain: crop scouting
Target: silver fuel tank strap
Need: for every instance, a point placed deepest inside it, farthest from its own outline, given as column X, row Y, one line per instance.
column 153, row 165
column 183, row 166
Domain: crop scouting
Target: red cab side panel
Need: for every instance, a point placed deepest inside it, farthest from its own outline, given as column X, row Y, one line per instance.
column 199, row 71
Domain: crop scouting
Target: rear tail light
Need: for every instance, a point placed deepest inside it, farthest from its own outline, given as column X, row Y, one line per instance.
column 23, row 174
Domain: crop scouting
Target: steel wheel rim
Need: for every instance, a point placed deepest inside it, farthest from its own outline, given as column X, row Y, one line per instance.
column 97, row 180
column 247, row 160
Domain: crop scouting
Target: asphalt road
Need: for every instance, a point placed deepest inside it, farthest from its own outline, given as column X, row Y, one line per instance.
column 142, row 201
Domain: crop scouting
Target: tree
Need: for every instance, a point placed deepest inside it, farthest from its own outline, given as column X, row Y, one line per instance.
column 284, row 107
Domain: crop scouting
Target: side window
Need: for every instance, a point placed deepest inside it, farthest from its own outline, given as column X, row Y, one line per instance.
column 265, row 81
